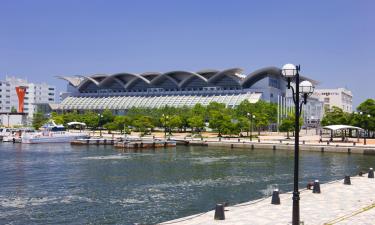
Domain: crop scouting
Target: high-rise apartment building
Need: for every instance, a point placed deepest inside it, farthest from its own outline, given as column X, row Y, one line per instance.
column 36, row 93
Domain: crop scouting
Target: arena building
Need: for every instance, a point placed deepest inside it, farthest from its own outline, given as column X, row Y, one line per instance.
column 122, row 91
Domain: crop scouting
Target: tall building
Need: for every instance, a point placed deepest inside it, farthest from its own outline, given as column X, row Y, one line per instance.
column 36, row 93
column 339, row 97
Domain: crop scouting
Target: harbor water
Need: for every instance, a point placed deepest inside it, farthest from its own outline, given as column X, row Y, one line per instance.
column 64, row 184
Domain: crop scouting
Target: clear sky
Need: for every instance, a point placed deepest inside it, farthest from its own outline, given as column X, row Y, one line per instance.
column 334, row 41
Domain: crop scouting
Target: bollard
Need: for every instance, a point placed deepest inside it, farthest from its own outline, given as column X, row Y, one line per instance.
column 275, row 197
column 353, row 143
column 259, row 140
column 360, row 173
column 303, row 142
column 347, row 180
column 371, row 173
column 239, row 140
column 219, row 212
column 327, row 142
column 316, row 188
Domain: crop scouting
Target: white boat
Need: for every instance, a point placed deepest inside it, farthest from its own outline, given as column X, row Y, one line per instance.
column 13, row 134
column 4, row 132
column 51, row 133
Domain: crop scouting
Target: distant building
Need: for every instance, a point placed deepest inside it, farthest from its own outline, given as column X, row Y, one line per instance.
column 13, row 119
column 339, row 97
column 36, row 93
column 312, row 111
column 122, row 91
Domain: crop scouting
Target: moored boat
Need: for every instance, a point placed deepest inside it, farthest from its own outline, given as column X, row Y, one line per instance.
column 52, row 133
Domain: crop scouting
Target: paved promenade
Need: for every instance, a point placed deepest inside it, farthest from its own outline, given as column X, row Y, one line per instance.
column 337, row 204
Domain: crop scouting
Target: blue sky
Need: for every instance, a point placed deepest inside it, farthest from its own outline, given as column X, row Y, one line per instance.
column 332, row 40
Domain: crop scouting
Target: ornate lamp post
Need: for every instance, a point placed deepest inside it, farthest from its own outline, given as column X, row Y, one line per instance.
column 165, row 118
column 251, row 117
column 304, row 90
column 99, row 123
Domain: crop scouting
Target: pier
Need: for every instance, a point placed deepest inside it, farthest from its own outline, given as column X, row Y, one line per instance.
column 338, row 203
column 126, row 144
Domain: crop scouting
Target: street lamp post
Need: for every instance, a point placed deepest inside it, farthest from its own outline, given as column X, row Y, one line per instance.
column 165, row 117
column 305, row 88
column 251, row 117
column 99, row 123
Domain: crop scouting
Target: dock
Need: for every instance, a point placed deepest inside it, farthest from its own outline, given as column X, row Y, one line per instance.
column 144, row 144
column 338, row 204
column 93, row 141
column 126, row 144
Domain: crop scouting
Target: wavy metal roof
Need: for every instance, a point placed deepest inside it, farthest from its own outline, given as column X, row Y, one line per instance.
column 179, row 78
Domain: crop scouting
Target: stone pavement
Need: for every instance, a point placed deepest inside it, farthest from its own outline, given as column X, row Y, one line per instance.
column 337, row 204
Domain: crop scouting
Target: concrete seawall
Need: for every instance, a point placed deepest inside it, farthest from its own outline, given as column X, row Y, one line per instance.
column 282, row 146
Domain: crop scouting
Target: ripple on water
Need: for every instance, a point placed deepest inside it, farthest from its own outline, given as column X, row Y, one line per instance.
column 208, row 159
column 23, row 202
column 108, row 157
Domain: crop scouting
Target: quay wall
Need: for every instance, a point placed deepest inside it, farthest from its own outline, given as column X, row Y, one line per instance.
column 289, row 147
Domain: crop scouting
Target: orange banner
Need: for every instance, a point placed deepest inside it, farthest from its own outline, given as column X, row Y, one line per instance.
column 21, row 91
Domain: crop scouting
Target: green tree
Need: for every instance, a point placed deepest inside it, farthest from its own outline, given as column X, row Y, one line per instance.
column 142, row 124
column 13, row 110
column 220, row 121
column 335, row 116
column 288, row 124
column 196, row 123
column 91, row 119
column 365, row 118
column 58, row 118
column 175, row 122
column 107, row 116
column 38, row 120
column 122, row 123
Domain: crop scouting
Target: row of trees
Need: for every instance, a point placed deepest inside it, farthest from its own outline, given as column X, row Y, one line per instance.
column 364, row 117
column 225, row 121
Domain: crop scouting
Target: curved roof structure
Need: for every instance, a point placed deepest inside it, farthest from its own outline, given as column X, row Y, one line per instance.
column 175, row 79
column 341, row 127
column 74, row 81
column 258, row 75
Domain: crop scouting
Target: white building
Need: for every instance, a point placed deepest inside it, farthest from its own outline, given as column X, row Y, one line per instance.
column 312, row 111
column 339, row 97
column 41, row 93
column 13, row 119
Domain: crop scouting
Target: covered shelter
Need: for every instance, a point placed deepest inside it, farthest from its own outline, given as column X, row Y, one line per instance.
column 342, row 131
column 75, row 124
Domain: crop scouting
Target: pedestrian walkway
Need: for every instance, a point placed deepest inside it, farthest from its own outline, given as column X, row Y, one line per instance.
column 336, row 204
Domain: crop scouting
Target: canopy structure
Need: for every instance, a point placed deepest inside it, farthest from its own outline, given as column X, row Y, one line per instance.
column 341, row 127
column 76, row 123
